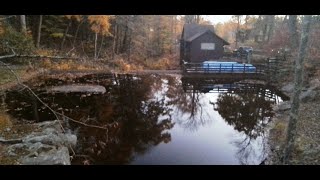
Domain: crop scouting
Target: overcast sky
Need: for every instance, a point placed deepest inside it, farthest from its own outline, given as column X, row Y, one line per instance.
column 218, row 18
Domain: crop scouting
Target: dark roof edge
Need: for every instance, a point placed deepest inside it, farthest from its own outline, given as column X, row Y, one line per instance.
column 200, row 34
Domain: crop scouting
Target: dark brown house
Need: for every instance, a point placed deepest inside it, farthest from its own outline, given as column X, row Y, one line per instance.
column 199, row 43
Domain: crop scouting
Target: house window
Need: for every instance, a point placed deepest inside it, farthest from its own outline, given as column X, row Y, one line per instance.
column 207, row 46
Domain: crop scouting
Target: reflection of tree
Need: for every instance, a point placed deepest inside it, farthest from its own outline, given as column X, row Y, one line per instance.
column 136, row 126
column 248, row 113
column 188, row 104
column 137, row 129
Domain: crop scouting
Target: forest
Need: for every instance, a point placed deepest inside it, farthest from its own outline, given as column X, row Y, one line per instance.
column 124, row 60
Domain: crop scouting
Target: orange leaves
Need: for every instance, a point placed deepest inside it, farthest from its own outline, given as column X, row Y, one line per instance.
column 100, row 24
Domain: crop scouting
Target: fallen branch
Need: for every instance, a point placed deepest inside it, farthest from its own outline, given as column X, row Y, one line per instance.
column 37, row 56
column 9, row 56
column 10, row 141
column 50, row 57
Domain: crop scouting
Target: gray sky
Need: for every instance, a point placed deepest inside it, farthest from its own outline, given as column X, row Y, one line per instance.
column 218, row 18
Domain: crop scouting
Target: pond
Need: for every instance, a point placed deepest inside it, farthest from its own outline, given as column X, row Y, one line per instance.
column 157, row 119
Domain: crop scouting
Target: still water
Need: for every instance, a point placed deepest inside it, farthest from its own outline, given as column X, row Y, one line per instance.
column 157, row 119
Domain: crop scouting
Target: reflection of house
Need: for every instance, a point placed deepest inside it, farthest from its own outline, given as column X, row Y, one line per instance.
column 199, row 43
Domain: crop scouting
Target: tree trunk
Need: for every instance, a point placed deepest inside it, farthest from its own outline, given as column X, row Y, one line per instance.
column 238, row 28
column 101, row 44
column 39, row 32
column 294, row 41
column 197, row 19
column 76, row 34
column 129, row 50
column 292, row 128
column 95, row 45
column 271, row 27
column 114, row 42
column 171, row 35
column 125, row 40
column 23, row 24
column 65, row 34
column 246, row 21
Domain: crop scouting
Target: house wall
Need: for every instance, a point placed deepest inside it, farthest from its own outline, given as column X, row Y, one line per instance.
column 198, row 55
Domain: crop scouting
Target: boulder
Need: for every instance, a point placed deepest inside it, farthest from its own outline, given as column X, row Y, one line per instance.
column 315, row 84
column 284, row 106
column 46, row 146
column 288, row 88
column 53, row 156
column 308, row 95
column 51, row 137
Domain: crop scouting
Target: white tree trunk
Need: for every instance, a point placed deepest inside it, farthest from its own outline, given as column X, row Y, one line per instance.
column 23, row 24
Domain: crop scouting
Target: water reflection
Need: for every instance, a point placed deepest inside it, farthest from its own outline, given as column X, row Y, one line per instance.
column 245, row 106
column 146, row 110
column 126, row 102
column 187, row 105
column 248, row 114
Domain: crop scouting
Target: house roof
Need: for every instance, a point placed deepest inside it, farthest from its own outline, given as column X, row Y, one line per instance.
column 193, row 31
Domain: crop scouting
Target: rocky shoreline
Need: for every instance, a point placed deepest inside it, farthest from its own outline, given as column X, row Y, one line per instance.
column 305, row 149
column 42, row 143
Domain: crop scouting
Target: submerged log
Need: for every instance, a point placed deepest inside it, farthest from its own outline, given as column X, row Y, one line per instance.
column 86, row 88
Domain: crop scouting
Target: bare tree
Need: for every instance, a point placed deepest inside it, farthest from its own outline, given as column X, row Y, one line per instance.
column 238, row 17
column 189, row 19
column 292, row 128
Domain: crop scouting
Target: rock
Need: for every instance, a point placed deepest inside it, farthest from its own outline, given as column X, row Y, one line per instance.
column 284, row 106
column 54, row 156
column 315, row 84
column 308, row 95
column 288, row 88
column 50, row 124
column 52, row 137
column 46, row 146
column 79, row 88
